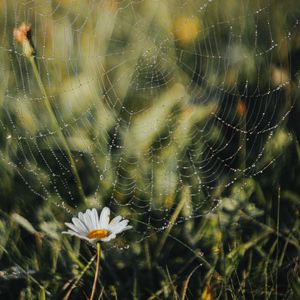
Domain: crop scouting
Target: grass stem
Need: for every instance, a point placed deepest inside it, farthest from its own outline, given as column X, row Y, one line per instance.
column 78, row 278
column 172, row 221
column 57, row 127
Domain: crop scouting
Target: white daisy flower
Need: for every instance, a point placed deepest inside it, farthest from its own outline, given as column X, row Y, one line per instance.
column 90, row 227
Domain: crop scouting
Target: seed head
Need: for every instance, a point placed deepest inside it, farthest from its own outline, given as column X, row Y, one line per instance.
column 22, row 35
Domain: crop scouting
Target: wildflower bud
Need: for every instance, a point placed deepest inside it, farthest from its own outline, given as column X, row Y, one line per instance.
column 217, row 276
column 208, row 294
column 216, row 250
column 241, row 108
column 38, row 240
column 22, row 35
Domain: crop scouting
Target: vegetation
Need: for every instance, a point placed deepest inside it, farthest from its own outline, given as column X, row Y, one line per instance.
column 181, row 116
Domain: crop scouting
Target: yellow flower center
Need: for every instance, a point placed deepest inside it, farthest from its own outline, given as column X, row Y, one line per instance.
column 98, row 234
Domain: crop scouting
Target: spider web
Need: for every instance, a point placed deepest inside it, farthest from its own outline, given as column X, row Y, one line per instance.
column 163, row 104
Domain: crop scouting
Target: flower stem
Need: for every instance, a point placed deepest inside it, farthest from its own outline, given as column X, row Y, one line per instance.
column 97, row 271
column 78, row 278
column 56, row 125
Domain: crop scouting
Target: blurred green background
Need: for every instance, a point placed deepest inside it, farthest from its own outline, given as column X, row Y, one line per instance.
column 180, row 116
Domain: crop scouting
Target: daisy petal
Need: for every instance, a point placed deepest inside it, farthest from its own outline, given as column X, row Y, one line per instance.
column 121, row 224
column 79, row 224
column 81, row 217
column 127, row 228
column 115, row 220
column 88, row 220
column 110, row 237
column 104, row 217
column 91, row 219
column 95, row 218
column 74, row 228
column 70, row 232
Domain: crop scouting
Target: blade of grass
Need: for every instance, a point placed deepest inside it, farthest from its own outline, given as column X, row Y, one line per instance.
column 57, row 127
column 196, row 253
column 172, row 221
column 42, row 295
column 78, row 278
column 186, row 283
column 277, row 245
column 293, row 242
column 135, row 289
